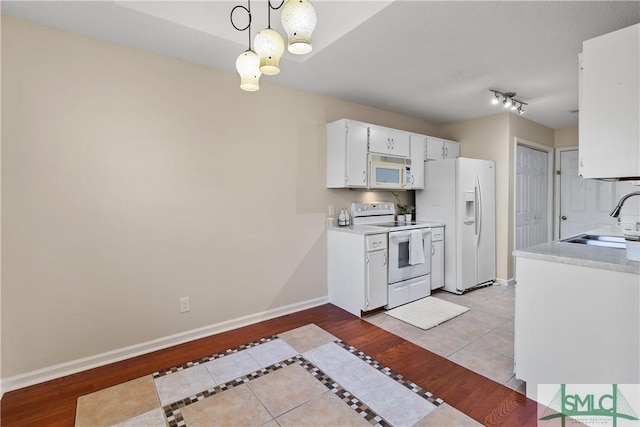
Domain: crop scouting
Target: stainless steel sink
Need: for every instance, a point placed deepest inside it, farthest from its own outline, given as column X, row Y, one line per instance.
column 597, row 240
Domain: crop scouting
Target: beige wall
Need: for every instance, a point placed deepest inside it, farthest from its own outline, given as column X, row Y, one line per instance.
column 565, row 137
column 130, row 180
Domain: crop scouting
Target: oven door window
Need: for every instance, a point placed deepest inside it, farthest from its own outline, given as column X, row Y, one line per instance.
column 403, row 254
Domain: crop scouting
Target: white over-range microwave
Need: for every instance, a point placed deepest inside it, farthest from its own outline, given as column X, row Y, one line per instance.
column 388, row 172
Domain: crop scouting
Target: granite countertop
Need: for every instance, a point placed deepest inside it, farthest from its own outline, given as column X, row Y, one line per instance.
column 584, row 255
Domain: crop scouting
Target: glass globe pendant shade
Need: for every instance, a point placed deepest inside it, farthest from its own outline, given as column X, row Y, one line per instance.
column 269, row 47
column 299, row 20
column 248, row 66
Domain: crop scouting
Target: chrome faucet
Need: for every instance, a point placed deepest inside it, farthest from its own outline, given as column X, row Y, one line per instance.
column 616, row 211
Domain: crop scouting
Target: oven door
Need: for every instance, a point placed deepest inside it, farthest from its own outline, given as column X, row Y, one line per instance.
column 399, row 267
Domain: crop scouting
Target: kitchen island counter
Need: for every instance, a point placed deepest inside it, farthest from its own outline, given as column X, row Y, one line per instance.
column 584, row 255
column 577, row 315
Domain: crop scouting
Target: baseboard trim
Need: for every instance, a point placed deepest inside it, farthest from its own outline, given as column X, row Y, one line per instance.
column 506, row 282
column 63, row 369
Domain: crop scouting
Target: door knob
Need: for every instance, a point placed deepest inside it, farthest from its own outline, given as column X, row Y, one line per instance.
column 564, row 218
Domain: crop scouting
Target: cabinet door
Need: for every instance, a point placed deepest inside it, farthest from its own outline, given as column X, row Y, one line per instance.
column 379, row 140
column 418, row 144
column 609, row 129
column 437, row 264
column 356, row 173
column 376, row 280
column 451, row 149
column 435, row 148
column 388, row 141
column 400, row 145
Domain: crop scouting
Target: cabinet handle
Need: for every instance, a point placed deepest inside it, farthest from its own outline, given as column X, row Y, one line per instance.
column 366, row 260
column 385, row 259
column 376, row 244
column 564, row 218
column 443, row 151
column 388, row 143
column 393, row 143
column 446, row 152
column 364, row 176
column 412, row 179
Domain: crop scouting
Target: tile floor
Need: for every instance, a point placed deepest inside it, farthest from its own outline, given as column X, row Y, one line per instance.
column 305, row 376
column 480, row 339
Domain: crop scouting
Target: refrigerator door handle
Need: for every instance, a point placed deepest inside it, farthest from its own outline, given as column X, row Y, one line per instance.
column 479, row 203
column 475, row 193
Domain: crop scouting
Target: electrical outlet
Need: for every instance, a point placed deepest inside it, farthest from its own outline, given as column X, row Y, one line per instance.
column 185, row 304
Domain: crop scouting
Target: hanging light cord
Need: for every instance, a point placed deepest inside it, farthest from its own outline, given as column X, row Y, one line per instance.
column 248, row 10
column 274, row 8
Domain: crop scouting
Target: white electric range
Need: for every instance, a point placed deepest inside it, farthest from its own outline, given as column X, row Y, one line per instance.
column 407, row 279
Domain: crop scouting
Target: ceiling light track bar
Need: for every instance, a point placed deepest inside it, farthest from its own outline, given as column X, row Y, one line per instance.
column 508, row 100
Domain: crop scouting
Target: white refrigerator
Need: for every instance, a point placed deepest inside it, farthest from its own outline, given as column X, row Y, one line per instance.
column 461, row 193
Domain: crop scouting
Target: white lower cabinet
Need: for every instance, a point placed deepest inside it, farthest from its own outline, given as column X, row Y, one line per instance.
column 437, row 257
column 357, row 270
column 376, row 279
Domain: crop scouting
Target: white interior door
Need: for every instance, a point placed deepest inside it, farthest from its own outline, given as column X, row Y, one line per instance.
column 531, row 197
column 585, row 204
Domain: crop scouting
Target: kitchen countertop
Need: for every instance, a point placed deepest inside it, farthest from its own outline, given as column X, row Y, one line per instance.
column 373, row 229
column 584, row 255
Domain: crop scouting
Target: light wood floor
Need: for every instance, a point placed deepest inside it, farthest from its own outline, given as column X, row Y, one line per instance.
column 53, row 403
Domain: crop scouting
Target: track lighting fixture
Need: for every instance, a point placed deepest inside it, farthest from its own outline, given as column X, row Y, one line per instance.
column 298, row 19
column 508, row 100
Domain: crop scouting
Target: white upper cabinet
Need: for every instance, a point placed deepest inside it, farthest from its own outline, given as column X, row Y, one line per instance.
column 350, row 144
column 609, row 124
column 389, row 142
column 440, row 149
column 418, row 147
column 347, row 154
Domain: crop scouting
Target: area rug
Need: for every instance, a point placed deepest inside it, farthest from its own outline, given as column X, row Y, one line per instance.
column 427, row 312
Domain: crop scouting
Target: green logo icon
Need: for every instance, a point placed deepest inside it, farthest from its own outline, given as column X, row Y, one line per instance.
column 589, row 408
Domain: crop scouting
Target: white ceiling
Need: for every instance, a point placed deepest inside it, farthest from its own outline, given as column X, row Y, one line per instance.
column 434, row 60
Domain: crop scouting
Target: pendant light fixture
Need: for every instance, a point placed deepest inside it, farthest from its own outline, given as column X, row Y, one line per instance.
column 247, row 63
column 299, row 20
column 248, row 66
column 269, row 46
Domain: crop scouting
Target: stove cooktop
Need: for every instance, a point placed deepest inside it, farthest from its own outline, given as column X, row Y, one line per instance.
column 395, row 224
